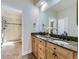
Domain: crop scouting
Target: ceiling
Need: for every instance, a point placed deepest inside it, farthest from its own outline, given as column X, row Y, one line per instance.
column 35, row 1
column 63, row 4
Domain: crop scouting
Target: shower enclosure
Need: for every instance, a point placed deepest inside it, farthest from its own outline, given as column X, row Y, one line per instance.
column 11, row 28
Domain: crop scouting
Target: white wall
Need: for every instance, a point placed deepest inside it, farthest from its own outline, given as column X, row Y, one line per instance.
column 29, row 16
column 69, row 16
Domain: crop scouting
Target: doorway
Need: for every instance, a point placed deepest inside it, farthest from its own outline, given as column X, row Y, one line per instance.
column 11, row 25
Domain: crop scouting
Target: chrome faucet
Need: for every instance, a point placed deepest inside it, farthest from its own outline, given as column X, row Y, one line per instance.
column 64, row 35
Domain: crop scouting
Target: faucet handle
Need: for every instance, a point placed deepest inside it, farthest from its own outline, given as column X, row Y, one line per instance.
column 65, row 33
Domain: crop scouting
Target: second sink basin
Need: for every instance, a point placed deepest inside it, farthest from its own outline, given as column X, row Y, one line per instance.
column 60, row 42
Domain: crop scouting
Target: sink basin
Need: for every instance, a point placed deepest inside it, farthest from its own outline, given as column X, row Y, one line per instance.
column 42, row 37
column 55, row 40
column 60, row 42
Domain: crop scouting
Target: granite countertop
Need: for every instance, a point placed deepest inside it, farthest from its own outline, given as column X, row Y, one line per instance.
column 71, row 45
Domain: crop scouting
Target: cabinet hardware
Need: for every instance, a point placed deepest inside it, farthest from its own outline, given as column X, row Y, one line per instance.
column 40, row 48
column 40, row 41
column 40, row 57
column 54, row 48
column 53, row 53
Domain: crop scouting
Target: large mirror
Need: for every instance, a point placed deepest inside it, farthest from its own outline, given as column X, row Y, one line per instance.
column 61, row 15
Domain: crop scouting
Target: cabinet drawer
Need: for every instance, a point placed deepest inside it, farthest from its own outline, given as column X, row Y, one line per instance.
column 41, row 42
column 64, row 52
column 41, row 49
column 41, row 56
column 51, row 46
column 75, row 55
column 60, row 57
column 49, row 54
column 36, row 48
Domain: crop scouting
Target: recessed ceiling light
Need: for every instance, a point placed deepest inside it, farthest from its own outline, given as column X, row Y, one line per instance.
column 42, row 2
column 44, row 6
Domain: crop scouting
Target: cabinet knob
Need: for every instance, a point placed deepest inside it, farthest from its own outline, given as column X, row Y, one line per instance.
column 40, row 57
column 40, row 48
column 53, row 53
column 40, row 41
column 54, row 48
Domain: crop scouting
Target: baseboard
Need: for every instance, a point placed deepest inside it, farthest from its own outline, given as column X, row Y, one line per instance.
column 26, row 52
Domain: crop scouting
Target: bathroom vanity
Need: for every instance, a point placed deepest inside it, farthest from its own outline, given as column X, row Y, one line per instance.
column 46, row 48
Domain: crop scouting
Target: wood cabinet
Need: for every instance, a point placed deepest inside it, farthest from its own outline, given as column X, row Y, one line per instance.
column 58, row 56
column 41, row 56
column 41, row 50
column 66, row 54
column 42, row 42
column 75, row 55
column 45, row 50
column 53, row 55
column 38, row 48
column 50, row 54
column 59, row 52
column 51, row 46
column 35, row 46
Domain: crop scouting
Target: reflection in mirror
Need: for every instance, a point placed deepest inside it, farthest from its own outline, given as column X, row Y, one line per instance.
column 52, row 25
column 60, row 17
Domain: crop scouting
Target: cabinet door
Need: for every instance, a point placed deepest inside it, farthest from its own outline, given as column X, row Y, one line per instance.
column 64, row 53
column 75, row 55
column 41, row 56
column 41, row 52
column 33, row 45
column 58, row 56
column 36, row 47
column 50, row 54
